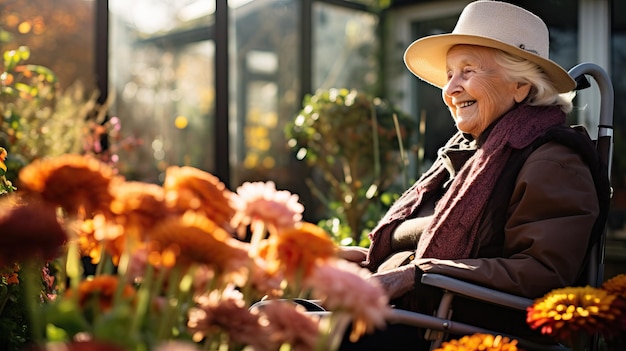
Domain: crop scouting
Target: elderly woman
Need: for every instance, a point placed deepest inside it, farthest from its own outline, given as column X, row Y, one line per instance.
column 514, row 198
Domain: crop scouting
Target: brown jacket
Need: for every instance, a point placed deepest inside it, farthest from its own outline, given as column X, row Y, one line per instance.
column 549, row 221
column 533, row 238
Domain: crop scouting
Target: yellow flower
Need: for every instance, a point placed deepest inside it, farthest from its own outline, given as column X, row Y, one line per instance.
column 74, row 182
column 87, row 243
column 566, row 313
column 478, row 341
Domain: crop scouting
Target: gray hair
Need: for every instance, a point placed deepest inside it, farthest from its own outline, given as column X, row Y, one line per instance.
column 542, row 92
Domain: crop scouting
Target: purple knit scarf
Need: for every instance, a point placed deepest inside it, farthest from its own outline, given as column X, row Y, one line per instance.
column 452, row 232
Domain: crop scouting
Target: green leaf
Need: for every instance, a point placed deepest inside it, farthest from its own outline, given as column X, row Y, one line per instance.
column 48, row 74
column 3, row 288
column 54, row 334
column 25, row 88
column 66, row 315
column 11, row 59
column 8, row 91
column 24, row 52
column 114, row 326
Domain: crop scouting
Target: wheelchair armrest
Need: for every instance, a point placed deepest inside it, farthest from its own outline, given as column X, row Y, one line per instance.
column 477, row 292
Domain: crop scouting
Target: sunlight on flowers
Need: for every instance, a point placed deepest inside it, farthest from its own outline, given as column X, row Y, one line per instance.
column 261, row 205
column 569, row 313
column 479, row 341
column 298, row 249
column 191, row 188
column 100, row 289
column 616, row 285
column 335, row 284
column 73, row 182
column 163, row 267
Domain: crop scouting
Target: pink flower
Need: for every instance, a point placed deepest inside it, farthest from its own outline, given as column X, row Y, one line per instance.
column 176, row 346
column 265, row 278
column 260, row 203
column 289, row 324
column 342, row 287
column 226, row 312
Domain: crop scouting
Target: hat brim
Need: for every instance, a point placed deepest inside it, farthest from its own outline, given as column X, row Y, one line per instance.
column 426, row 58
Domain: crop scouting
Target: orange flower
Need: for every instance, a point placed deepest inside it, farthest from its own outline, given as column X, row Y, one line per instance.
column 136, row 208
column 138, row 205
column 74, row 182
column 341, row 286
column 566, row 313
column 297, row 250
column 197, row 239
column 616, row 285
column 9, row 278
column 3, row 157
column 101, row 288
column 188, row 188
column 29, row 230
column 478, row 341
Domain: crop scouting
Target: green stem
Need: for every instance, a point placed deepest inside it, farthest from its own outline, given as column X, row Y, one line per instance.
column 73, row 265
column 32, row 291
column 4, row 302
column 143, row 300
column 164, row 329
column 105, row 265
column 375, row 142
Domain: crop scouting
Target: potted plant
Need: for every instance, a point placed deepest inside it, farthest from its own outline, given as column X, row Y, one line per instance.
column 355, row 146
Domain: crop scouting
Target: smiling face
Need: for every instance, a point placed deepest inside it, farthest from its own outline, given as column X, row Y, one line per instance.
column 477, row 91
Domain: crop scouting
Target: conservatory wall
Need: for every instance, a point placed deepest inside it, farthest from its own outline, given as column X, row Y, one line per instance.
column 162, row 73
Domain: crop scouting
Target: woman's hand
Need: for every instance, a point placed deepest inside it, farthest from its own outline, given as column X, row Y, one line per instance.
column 397, row 282
column 355, row 254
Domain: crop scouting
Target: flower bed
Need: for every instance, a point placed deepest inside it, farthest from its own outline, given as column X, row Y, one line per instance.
column 172, row 267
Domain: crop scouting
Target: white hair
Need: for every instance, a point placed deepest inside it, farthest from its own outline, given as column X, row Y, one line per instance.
column 542, row 92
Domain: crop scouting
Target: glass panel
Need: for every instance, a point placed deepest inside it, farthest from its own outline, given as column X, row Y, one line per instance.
column 344, row 48
column 618, row 72
column 162, row 77
column 618, row 68
column 266, row 93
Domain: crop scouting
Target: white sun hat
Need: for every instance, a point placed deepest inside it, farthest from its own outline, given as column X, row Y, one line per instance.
column 493, row 24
